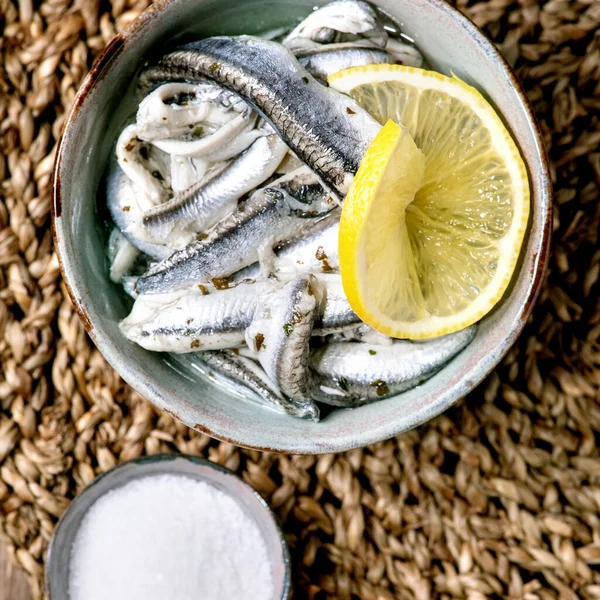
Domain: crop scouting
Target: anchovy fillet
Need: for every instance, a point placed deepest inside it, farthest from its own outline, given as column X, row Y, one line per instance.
column 199, row 319
column 146, row 166
column 404, row 54
column 176, row 109
column 354, row 373
column 323, row 61
column 266, row 219
column 280, row 335
column 204, row 205
column 122, row 255
column 362, row 333
column 121, row 201
column 220, row 144
column 248, row 373
column 315, row 252
column 336, row 314
column 208, row 318
column 340, row 17
column 327, row 130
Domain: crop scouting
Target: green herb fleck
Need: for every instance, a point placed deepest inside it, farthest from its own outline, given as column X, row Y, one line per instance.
column 288, row 329
column 305, row 79
column 197, row 131
column 372, row 352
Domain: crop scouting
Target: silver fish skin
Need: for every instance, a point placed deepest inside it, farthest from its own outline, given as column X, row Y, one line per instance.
column 355, row 373
column 362, row 333
column 267, row 218
column 315, row 252
column 336, row 314
column 246, row 372
column 352, row 17
column 280, row 335
column 190, row 321
column 324, row 61
column 327, row 130
column 202, row 206
column 205, row 317
column 123, row 207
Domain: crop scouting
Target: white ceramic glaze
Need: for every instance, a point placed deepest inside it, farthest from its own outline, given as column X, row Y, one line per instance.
column 449, row 42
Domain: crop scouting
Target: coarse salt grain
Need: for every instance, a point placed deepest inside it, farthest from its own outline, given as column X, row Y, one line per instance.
column 168, row 537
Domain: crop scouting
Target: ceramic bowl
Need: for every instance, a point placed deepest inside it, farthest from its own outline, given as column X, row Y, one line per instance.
column 59, row 551
column 450, row 42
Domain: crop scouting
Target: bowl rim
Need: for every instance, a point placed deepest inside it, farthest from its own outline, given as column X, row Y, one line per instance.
column 170, row 459
column 535, row 278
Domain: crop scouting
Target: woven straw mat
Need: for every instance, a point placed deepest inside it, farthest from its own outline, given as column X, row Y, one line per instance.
column 497, row 498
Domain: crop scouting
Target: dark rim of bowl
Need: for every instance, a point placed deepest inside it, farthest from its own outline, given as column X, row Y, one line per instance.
column 160, row 458
column 119, row 43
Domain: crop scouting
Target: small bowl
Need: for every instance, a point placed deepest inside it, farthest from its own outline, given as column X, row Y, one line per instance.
column 450, row 43
column 59, row 551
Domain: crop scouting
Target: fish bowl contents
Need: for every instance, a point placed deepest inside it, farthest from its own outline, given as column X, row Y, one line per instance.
column 249, row 196
column 168, row 536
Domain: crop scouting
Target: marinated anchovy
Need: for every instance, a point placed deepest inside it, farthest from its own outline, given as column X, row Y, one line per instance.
column 362, row 333
column 200, row 120
column 315, row 252
column 266, row 219
column 200, row 319
column 205, row 204
column 176, row 109
column 354, row 373
column 218, row 142
column 206, row 317
column 321, row 62
column 327, row 130
column 336, row 314
column 187, row 171
column 125, row 212
column 280, row 335
column 326, row 24
column 247, row 372
column 147, row 167
column 121, row 254
column 404, row 54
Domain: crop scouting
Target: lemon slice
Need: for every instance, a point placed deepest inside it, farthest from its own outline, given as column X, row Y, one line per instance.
column 431, row 229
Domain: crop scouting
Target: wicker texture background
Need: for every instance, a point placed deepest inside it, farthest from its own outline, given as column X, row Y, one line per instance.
column 498, row 498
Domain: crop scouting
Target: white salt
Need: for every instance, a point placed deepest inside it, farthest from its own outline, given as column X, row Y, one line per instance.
column 169, row 537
